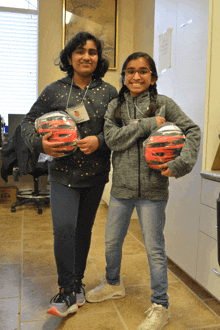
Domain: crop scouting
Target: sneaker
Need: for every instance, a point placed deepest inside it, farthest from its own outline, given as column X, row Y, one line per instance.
column 63, row 304
column 158, row 316
column 106, row 291
column 80, row 293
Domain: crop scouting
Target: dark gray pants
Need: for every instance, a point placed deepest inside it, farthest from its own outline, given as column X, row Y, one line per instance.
column 73, row 214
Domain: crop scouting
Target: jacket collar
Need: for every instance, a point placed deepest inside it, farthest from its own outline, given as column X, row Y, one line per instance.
column 142, row 97
column 94, row 83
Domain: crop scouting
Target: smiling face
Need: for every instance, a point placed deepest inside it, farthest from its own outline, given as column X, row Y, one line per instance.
column 138, row 82
column 84, row 59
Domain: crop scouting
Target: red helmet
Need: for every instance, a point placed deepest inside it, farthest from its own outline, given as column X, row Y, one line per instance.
column 63, row 127
column 163, row 145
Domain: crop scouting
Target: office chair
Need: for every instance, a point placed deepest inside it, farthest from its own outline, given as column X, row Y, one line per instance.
column 16, row 157
column 36, row 196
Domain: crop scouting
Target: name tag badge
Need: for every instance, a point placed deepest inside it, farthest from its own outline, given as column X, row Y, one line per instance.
column 78, row 113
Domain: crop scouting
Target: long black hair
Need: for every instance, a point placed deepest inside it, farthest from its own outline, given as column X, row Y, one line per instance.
column 150, row 112
column 80, row 40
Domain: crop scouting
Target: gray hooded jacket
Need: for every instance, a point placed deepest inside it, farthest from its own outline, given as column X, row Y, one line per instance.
column 132, row 177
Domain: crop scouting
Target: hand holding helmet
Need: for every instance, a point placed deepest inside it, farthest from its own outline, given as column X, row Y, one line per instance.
column 54, row 149
column 163, row 145
column 160, row 120
column 165, row 170
column 59, row 133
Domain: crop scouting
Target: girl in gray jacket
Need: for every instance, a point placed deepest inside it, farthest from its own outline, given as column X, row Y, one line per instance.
column 129, row 120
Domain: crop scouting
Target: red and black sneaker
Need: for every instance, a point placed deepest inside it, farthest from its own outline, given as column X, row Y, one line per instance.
column 63, row 303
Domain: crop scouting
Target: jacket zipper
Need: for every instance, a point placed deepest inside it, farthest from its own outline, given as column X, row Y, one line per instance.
column 138, row 146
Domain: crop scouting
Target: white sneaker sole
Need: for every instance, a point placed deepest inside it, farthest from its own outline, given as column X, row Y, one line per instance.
column 162, row 326
column 116, row 295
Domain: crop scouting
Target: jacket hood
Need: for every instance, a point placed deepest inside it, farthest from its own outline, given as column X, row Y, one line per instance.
column 143, row 96
column 94, row 83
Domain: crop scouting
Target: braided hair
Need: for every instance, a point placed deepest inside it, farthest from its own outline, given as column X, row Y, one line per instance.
column 150, row 112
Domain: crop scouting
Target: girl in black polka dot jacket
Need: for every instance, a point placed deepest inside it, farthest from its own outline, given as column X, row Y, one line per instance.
column 76, row 181
column 79, row 169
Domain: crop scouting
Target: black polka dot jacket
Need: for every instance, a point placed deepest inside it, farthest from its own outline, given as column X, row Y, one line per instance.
column 77, row 169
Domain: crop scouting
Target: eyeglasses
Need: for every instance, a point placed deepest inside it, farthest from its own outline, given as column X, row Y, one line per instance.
column 141, row 72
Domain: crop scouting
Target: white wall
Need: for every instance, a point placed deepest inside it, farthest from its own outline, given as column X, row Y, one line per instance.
column 185, row 82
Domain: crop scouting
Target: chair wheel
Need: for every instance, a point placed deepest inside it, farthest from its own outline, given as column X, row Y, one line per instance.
column 13, row 209
column 40, row 211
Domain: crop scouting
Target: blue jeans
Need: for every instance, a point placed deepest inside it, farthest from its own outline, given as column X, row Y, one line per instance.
column 151, row 215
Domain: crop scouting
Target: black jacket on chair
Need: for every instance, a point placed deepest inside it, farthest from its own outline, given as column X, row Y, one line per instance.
column 16, row 154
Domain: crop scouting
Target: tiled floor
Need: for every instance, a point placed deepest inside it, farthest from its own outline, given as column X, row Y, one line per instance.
column 28, row 280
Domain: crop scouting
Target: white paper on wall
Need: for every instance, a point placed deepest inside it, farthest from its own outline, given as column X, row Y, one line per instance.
column 165, row 43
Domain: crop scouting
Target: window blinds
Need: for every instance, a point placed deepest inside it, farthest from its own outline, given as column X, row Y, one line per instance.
column 18, row 61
